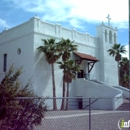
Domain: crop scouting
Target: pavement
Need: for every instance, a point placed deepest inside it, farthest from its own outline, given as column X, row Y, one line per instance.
column 79, row 120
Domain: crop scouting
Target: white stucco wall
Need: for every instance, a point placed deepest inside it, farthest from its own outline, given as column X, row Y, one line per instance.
column 86, row 44
column 126, row 91
column 108, row 65
column 43, row 78
column 106, row 94
column 10, row 40
column 27, row 37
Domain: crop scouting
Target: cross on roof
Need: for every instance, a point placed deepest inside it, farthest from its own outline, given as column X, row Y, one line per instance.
column 108, row 17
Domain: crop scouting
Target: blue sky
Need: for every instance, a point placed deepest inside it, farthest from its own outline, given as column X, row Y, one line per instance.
column 83, row 15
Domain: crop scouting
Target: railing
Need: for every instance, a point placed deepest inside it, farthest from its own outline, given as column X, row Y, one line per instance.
column 90, row 103
column 126, row 91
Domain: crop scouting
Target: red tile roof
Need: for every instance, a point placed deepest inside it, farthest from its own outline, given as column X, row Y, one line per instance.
column 86, row 56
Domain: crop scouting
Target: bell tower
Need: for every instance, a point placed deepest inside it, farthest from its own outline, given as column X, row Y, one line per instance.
column 107, row 36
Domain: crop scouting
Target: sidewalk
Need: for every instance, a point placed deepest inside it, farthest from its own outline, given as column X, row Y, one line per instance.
column 79, row 120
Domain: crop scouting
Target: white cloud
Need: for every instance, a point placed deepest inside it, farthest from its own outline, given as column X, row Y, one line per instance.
column 3, row 24
column 76, row 23
column 96, row 11
column 29, row 5
column 41, row 6
column 88, row 10
column 123, row 24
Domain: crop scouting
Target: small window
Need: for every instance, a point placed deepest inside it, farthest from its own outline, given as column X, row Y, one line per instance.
column 5, row 62
column 114, row 38
column 105, row 35
column 110, row 37
column 19, row 51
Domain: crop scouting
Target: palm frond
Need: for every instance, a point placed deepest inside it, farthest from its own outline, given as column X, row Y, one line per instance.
column 117, row 49
column 50, row 50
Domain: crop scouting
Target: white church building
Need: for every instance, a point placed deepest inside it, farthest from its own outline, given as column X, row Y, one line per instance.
column 99, row 72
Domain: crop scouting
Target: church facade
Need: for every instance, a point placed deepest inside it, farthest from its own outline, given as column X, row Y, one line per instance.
column 18, row 46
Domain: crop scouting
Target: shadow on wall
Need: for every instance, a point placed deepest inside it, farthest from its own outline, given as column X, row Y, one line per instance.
column 42, row 74
column 111, row 80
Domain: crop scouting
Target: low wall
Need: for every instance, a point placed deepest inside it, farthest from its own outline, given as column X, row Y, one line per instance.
column 125, row 91
column 109, row 98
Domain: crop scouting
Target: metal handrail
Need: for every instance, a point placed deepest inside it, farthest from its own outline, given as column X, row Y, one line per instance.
column 90, row 103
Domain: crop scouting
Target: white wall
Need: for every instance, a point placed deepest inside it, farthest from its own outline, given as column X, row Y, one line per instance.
column 126, row 92
column 25, row 59
column 28, row 37
column 42, row 70
column 57, row 31
column 43, row 77
column 108, row 65
column 106, row 94
column 12, row 39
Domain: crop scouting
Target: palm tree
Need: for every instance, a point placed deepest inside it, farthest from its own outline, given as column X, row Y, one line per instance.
column 116, row 50
column 66, row 47
column 69, row 69
column 124, row 69
column 126, row 81
column 50, row 51
column 124, row 64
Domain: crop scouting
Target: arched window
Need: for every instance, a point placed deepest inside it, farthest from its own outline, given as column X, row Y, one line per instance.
column 114, row 38
column 105, row 35
column 110, row 37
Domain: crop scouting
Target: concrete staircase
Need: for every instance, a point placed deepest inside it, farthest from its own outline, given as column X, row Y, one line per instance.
column 125, row 106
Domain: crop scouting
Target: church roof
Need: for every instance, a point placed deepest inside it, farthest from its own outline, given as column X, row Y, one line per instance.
column 84, row 56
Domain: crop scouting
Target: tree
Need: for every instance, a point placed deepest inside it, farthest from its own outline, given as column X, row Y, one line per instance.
column 116, row 50
column 65, row 47
column 124, row 72
column 18, row 109
column 124, row 65
column 50, row 51
column 69, row 70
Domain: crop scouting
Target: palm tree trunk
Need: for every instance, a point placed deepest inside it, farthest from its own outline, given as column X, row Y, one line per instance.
column 53, row 88
column 67, row 95
column 63, row 96
column 118, row 72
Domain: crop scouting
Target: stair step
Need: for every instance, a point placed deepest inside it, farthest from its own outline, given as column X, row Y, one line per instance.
column 125, row 106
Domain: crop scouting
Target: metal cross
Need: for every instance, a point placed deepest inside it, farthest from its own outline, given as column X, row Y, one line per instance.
column 108, row 17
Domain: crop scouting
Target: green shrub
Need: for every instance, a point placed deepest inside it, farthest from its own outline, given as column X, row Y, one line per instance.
column 20, row 108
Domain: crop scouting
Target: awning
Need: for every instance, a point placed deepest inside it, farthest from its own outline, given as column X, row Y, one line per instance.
column 84, row 56
column 91, row 60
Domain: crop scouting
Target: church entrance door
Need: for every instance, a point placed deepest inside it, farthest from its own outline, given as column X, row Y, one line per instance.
column 81, row 74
